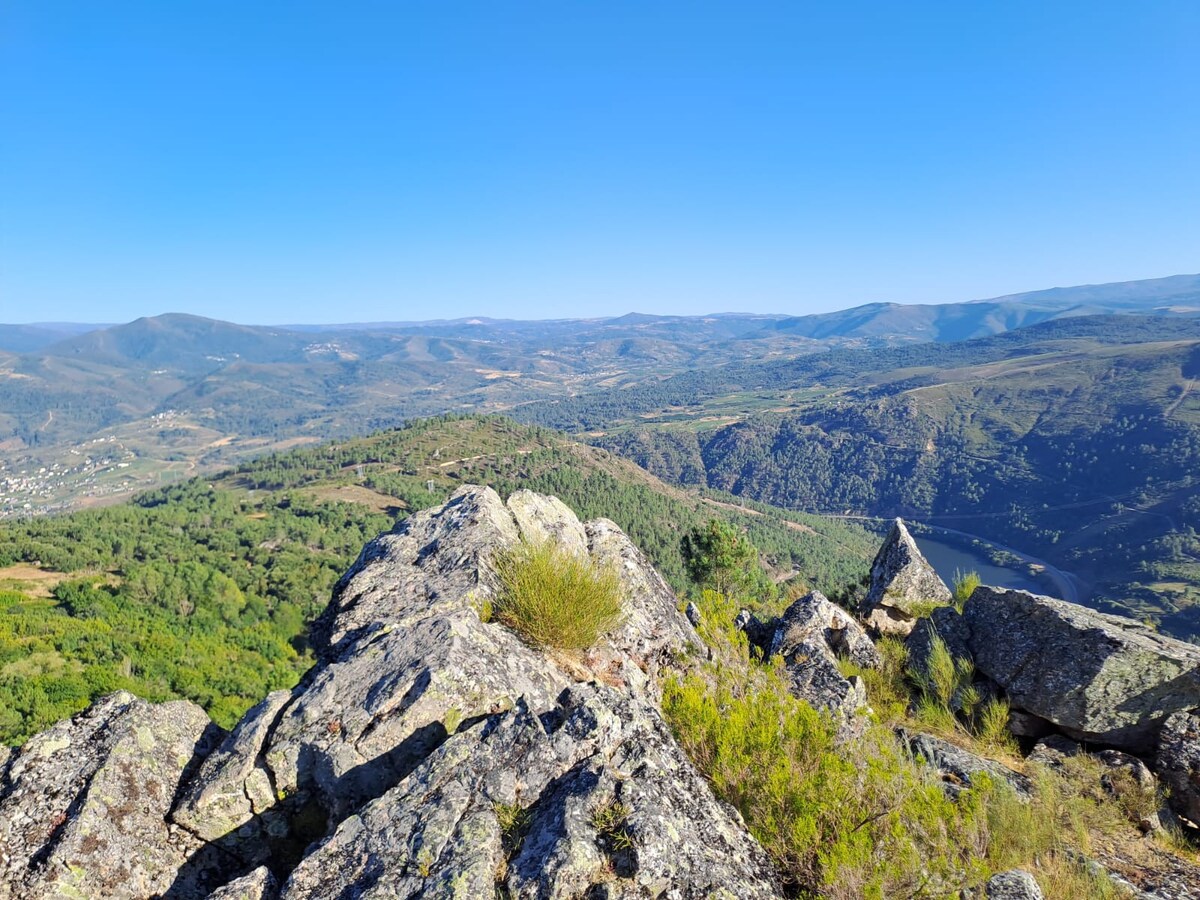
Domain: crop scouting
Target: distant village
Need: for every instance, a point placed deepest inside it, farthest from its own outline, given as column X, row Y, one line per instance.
column 29, row 489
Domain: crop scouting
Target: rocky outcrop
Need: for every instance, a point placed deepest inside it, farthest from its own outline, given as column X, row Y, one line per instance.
column 404, row 659
column 903, row 585
column 429, row 752
column 958, row 768
column 1101, row 678
column 83, row 805
column 592, row 798
column 1178, row 763
column 809, row 638
column 1013, row 885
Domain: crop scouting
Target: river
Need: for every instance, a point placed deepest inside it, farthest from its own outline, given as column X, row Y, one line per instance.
column 963, row 556
column 954, row 559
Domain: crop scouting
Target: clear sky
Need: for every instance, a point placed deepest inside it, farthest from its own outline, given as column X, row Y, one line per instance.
column 271, row 162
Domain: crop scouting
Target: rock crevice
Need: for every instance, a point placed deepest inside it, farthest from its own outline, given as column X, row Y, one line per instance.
column 407, row 760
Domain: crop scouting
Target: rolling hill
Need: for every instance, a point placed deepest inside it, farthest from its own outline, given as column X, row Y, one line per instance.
column 89, row 413
column 1076, row 441
column 203, row 589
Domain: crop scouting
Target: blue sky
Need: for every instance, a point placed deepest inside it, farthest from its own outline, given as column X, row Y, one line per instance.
column 272, row 162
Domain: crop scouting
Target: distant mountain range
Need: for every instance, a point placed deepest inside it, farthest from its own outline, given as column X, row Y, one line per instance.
column 890, row 322
column 1177, row 295
column 91, row 413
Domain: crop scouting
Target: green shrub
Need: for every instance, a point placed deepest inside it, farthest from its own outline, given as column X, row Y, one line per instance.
column 991, row 726
column 887, row 688
column 861, row 822
column 942, row 681
column 554, row 598
column 964, row 585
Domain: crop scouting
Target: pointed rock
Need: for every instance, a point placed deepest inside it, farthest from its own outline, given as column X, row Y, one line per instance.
column 903, row 584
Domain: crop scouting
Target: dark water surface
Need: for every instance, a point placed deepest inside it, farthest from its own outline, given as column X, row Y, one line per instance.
column 952, row 559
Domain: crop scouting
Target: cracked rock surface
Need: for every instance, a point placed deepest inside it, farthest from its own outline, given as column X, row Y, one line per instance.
column 427, row 753
column 903, row 584
column 593, row 798
column 1100, row 678
column 809, row 637
column 83, row 804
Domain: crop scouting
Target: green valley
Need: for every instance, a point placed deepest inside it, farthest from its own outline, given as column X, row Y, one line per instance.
column 204, row 589
column 1077, row 441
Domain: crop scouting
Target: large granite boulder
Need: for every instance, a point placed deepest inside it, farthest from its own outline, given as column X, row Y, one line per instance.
column 903, row 585
column 1101, row 678
column 809, row 637
column 83, row 805
column 1178, row 763
column 591, row 799
column 405, row 658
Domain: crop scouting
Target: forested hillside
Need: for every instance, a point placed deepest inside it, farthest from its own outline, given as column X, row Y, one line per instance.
column 102, row 414
column 1077, row 441
column 203, row 589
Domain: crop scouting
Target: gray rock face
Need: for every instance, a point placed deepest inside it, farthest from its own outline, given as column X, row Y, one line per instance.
column 428, row 753
column 809, row 637
column 902, row 583
column 1178, row 763
column 593, row 796
column 83, row 805
column 258, row 885
column 1101, row 678
column 958, row 767
column 1013, row 885
column 814, row 619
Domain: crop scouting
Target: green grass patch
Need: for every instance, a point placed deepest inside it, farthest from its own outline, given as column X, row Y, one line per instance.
column 554, row 598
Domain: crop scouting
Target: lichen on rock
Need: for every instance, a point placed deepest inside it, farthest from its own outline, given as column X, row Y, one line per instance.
column 903, row 585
